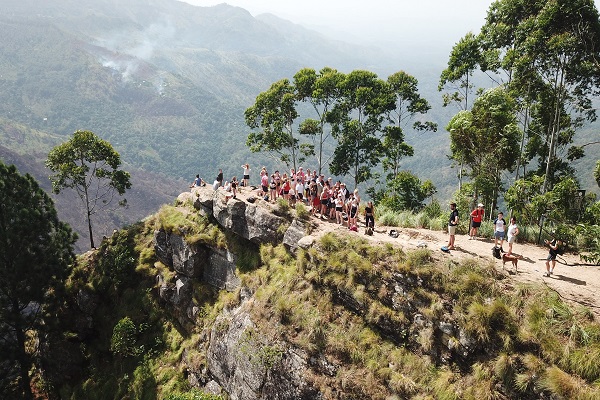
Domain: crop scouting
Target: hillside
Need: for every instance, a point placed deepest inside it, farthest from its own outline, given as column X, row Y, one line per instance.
column 167, row 84
column 203, row 297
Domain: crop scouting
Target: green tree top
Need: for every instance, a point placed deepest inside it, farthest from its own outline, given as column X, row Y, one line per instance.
column 273, row 114
column 90, row 166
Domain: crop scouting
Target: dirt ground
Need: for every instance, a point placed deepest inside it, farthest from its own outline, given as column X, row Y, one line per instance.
column 572, row 279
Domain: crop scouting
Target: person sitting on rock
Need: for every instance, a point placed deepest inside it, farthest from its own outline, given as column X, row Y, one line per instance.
column 197, row 182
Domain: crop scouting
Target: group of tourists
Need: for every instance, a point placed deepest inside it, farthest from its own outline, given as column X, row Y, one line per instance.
column 327, row 200
column 502, row 232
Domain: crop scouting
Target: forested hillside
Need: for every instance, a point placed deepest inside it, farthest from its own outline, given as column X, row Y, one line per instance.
column 167, row 84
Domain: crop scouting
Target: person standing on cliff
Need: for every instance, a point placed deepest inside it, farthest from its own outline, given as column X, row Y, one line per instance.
column 476, row 218
column 220, row 177
column 452, row 223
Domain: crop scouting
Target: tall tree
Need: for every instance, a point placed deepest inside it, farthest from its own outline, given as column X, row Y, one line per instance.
column 322, row 91
column 90, row 166
column 274, row 113
column 365, row 102
column 486, row 139
column 554, row 45
column 36, row 251
column 409, row 105
column 465, row 58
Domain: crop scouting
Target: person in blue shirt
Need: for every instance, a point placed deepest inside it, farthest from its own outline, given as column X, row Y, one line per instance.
column 197, row 182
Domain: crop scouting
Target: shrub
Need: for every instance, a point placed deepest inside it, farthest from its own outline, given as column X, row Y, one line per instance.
column 302, row 211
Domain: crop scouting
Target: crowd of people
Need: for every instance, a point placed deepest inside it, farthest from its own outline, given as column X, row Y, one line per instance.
column 326, row 199
column 332, row 201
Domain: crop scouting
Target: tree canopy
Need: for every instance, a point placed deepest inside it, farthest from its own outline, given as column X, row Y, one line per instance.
column 90, row 166
column 36, row 252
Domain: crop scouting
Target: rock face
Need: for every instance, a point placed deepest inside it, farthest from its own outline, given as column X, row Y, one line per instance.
column 250, row 221
column 249, row 368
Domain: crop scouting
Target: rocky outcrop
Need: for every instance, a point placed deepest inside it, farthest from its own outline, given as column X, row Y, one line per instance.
column 191, row 262
column 251, row 221
column 295, row 233
column 248, row 367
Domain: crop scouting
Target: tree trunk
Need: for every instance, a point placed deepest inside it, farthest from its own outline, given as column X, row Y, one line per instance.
column 24, row 365
column 554, row 132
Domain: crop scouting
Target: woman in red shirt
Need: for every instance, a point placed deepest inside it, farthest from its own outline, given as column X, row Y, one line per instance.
column 476, row 218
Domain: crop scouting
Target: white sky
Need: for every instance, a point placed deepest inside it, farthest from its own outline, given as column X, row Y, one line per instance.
column 437, row 24
column 376, row 21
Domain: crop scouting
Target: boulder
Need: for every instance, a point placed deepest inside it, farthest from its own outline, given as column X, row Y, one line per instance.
column 250, row 221
column 293, row 234
column 220, row 271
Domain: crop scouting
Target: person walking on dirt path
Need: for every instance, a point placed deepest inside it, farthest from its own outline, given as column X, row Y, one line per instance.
column 552, row 253
column 476, row 218
column 452, row 223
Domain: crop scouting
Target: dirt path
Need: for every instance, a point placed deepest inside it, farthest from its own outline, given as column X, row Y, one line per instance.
column 575, row 283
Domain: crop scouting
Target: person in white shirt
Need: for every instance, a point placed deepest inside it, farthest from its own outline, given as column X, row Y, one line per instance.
column 299, row 189
column 499, row 230
column 513, row 231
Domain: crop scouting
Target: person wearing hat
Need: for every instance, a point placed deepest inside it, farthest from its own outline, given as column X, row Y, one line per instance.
column 452, row 223
column 476, row 218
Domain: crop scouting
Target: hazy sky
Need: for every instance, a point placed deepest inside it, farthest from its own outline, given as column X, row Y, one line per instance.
column 441, row 21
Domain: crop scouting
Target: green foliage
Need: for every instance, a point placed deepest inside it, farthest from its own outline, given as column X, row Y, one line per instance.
column 90, row 166
column 193, row 394
column 124, row 337
column 405, row 191
column 274, row 112
column 116, row 266
column 36, row 252
column 545, row 49
column 486, row 139
column 409, row 104
column 302, row 211
column 464, row 59
column 365, row 101
column 322, row 92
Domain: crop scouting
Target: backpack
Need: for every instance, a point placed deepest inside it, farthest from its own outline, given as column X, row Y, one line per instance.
column 496, row 252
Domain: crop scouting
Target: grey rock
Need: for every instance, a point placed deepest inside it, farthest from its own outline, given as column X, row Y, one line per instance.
column 248, row 368
column 186, row 197
column 220, row 270
column 293, row 234
column 250, row 221
column 186, row 259
column 162, row 247
column 306, row 242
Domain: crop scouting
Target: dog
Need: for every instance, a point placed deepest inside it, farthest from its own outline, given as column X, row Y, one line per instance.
column 514, row 258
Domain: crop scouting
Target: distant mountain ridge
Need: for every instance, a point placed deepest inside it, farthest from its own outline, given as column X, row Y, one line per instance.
column 165, row 82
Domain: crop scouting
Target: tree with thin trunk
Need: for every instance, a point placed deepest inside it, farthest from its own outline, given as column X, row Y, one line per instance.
column 549, row 49
column 465, row 58
column 322, row 92
column 487, row 139
column 272, row 119
column 90, row 166
column 36, row 253
column 365, row 102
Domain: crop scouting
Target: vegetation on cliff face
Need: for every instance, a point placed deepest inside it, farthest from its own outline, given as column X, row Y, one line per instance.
column 375, row 321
